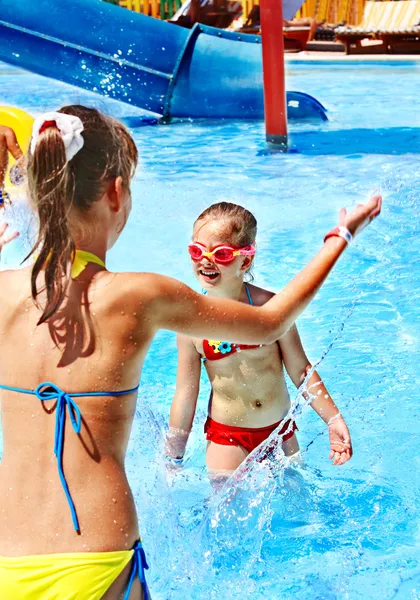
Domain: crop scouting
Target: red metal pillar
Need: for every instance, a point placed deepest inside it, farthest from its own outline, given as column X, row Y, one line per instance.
column 271, row 15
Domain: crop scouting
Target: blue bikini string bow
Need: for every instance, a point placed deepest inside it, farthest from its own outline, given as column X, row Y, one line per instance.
column 138, row 566
column 49, row 391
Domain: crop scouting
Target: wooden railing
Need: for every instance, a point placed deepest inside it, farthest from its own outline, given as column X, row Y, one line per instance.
column 332, row 11
column 247, row 6
column 160, row 9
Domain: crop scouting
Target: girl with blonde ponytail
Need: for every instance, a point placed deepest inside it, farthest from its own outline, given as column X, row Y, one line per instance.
column 73, row 340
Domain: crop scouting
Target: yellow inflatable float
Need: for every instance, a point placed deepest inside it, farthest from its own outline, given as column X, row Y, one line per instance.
column 21, row 122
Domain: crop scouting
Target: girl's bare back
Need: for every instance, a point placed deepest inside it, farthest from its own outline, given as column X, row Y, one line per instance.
column 103, row 351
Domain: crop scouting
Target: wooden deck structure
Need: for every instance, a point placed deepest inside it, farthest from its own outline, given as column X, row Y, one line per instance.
column 391, row 26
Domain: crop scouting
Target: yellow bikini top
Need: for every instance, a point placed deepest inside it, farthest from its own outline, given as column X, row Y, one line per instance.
column 81, row 260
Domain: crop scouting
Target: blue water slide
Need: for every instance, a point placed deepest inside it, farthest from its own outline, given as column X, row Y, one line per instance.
column 175, row 72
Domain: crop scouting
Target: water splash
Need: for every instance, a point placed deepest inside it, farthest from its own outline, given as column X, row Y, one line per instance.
column 19, row 218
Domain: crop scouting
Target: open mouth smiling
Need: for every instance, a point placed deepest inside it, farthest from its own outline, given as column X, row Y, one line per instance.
column 209, row 274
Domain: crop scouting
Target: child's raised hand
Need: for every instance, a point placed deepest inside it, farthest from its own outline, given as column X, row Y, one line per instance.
column 340, row 442
column 5, row 238
column 360, row 216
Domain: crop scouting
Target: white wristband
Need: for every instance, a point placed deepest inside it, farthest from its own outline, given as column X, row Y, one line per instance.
column 174, row 461
column 340, row 231
column 334, row 418
column 344, row 233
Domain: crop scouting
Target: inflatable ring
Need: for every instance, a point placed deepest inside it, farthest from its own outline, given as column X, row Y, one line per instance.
column 21, row 122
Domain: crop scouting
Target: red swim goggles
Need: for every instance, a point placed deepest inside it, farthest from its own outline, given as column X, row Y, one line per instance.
column 221, row 254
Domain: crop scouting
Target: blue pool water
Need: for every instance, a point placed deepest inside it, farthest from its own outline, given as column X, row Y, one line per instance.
column 275, row 532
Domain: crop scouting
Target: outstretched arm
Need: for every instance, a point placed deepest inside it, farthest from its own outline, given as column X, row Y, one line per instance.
column 177, row 307
column 185, row 399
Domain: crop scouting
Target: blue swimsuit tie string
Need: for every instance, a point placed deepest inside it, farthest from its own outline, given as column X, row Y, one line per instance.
column 49, row 391
column 139, row 564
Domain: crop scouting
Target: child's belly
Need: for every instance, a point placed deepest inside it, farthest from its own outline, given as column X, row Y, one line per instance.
column 249, row 390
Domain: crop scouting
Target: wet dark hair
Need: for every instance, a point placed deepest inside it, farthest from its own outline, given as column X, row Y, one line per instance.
column 62, row 190
column 241, row 225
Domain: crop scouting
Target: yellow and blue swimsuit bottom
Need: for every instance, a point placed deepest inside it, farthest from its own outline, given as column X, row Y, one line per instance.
column 70, row 576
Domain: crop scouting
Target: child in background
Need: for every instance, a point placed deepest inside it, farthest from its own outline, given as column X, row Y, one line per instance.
column 8, row 143
column 249, row 398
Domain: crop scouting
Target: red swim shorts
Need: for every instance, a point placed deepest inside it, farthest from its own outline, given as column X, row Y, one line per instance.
column 250, row 438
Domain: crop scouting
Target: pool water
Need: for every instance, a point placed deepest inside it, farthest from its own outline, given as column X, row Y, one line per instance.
column 277, row 531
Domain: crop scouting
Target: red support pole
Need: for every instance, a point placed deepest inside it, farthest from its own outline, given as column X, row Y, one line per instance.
column 271, row 15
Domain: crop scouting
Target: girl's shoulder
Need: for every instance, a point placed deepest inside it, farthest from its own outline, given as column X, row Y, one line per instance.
column 14, row 281
column 140, row 285
column 158, row 293
column 259, row 295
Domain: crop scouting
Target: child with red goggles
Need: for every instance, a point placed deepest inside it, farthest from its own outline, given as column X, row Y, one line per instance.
column 249, row 399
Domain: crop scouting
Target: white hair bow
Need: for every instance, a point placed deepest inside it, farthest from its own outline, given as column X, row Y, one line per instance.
column 70, row 127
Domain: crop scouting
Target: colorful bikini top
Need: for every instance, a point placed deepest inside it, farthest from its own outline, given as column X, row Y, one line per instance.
column 216, row 350
column 64, row 402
